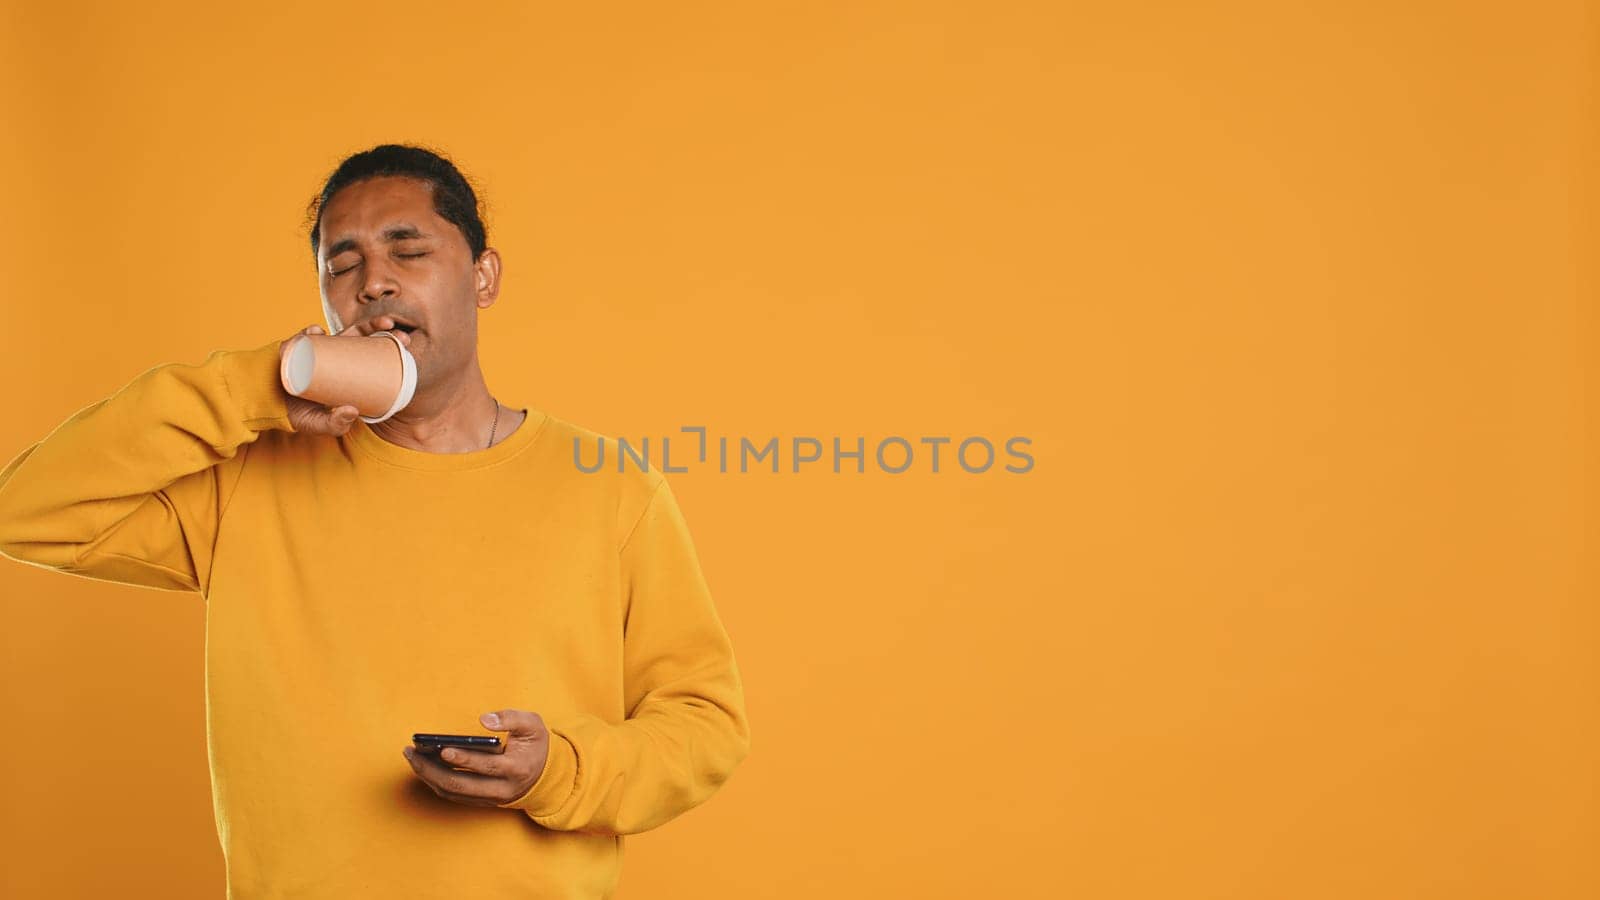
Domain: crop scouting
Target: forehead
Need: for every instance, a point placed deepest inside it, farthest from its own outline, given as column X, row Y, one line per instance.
column 364, row 209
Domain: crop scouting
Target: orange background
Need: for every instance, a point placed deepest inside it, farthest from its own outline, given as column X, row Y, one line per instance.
column 1295, row 305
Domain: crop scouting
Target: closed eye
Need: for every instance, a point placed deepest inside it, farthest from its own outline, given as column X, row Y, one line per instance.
column 401, row 255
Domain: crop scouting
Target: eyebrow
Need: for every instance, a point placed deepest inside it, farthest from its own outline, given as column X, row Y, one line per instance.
column 391, row 234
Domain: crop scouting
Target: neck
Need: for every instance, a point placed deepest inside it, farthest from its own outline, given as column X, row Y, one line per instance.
column 447, row 418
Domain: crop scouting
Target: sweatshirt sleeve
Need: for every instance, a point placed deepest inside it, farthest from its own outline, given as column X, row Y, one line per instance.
column 131, row 489
column 686, row 729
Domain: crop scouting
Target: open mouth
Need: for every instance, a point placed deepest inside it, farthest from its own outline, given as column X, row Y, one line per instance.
column 400, row 326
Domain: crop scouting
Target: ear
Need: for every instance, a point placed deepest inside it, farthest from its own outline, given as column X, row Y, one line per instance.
column 487, row 273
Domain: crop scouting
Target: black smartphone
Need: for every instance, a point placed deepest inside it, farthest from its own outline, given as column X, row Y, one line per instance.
column 433, row 743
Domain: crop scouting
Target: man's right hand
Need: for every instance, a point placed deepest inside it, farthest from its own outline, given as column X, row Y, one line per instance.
column 311, row 417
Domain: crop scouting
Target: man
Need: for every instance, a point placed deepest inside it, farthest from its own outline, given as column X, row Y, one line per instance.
column 364, row 582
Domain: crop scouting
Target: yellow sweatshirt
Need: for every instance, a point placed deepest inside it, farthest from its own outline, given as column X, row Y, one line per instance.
column 358, row 591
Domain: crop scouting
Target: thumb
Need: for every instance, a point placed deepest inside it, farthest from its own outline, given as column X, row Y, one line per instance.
column 340, row 418
column 336, row 420
column 516, row 721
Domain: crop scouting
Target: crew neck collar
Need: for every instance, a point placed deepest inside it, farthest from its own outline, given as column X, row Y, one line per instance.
column 367, row 441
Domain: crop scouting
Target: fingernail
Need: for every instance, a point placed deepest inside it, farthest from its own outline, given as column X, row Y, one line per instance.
column 491, row 720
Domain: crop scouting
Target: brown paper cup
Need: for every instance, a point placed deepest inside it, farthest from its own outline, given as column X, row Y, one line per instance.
column 367, row 373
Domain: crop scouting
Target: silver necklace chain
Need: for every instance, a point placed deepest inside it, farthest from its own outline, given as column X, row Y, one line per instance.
column 496, row 423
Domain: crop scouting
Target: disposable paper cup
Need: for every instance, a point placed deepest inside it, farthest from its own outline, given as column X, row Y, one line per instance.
column 365, row 373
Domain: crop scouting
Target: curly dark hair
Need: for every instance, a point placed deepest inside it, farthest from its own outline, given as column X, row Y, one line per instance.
column 453, row 197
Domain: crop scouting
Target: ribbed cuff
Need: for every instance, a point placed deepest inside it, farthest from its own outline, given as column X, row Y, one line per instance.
column 555, row 783
column 253, row 383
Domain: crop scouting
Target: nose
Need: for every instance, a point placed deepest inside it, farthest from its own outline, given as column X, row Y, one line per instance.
column 379, row 283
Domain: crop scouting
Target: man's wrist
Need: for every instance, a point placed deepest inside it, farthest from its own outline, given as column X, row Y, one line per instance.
column 253, row 382
column 555, row 783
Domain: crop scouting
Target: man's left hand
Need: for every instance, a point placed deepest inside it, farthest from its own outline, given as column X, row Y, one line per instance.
column 491, row 778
